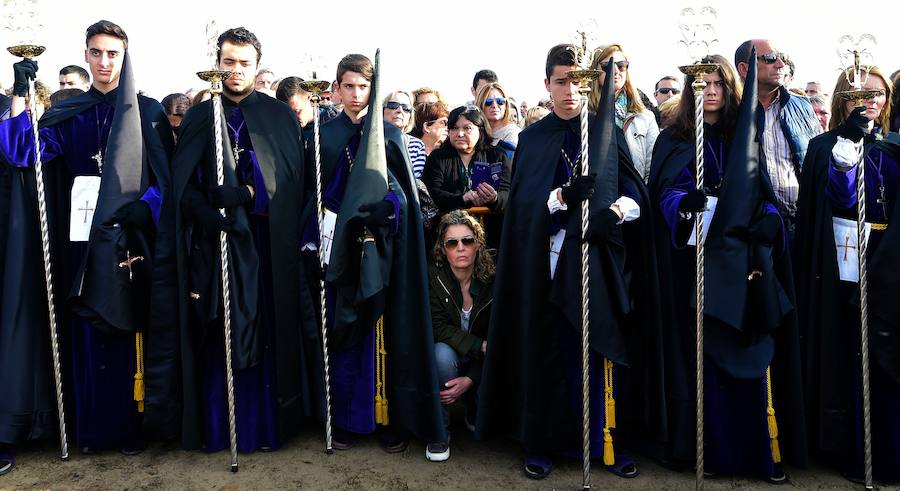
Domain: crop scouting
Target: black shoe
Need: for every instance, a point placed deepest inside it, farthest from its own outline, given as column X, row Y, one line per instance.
column 132, row 450
column 778, row 476
column 6, row 465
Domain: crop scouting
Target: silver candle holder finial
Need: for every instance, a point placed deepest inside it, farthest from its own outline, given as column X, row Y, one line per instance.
column 856, row 55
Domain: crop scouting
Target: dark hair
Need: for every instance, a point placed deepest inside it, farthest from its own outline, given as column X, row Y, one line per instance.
column 476, row 117
column 108, row 28
column 241, row 37
column 63, row 94
column 790, row 64
column 288, row 87
column 360, row 64
column 683, row 124
column 742, row 52
column 667, row 77
column 77, row 70
column 488, row 76
column 484, row 265
column 560, row 55
column 176, row 104
column 426, row 113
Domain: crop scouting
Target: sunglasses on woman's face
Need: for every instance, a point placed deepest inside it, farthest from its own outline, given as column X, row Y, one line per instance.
column 394, row 105
column 452, row 242
column 622, row 65
column 499, row 100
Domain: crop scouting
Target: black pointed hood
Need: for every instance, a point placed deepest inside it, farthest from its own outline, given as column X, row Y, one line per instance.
column 603, row 151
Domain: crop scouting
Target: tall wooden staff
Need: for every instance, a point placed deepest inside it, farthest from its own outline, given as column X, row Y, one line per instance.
column 216, row 77
column 316, row 87
column 30, row 51
column 698, row 34
column 858, row 95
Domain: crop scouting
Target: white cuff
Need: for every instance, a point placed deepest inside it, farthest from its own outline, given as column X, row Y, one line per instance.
column 628, row 207
column 553, row 202
column 845, row 154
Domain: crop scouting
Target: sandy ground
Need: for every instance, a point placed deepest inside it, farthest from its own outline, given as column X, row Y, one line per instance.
column 302, row 463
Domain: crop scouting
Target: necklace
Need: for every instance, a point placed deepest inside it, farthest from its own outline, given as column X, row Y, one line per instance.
column 881, row 199
column 569, row 162
column 101, row 129
column 236, row 148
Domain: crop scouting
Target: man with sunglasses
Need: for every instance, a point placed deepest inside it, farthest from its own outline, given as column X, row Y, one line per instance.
column 786, row 123
column 666, row 88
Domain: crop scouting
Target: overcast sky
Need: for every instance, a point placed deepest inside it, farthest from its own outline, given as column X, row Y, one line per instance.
column 442, row 44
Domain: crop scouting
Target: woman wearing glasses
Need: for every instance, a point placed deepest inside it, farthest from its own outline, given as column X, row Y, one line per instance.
column 827, row 284
column 503, row 131
column 398, row 111
column 461, row 284
column 431, row 124
column 632, row 116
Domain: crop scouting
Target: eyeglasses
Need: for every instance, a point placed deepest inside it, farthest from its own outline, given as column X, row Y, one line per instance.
column 622, row 65
column 499, row 100
column 452, row 242
column 771, row 58
column 467, row 129
column 668, row 90
column 394, row 105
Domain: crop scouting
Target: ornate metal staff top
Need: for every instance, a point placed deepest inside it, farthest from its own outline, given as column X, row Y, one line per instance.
column 698, row 35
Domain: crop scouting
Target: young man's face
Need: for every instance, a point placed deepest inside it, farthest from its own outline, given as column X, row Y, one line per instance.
column 241, row 60
column 353, row 89
column 563, row 91
column 72, row 81
column 104, row 55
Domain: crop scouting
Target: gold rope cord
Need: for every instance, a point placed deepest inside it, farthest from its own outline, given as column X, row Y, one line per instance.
column 139, row 370
column 773, row 425
column 609, row 455
column 381, row 401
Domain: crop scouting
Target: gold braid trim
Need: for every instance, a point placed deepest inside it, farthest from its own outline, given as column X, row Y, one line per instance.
column 773, row 425
column 139, row 370
column 609, row 455
column 381, row 401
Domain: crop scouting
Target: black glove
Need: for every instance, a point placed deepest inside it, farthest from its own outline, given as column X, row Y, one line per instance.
column 579, row 189
column 136, row 214
column 23, row 71
column 855, row 126
column 229, row 196
column 693, row 201
column 380, row 214
column 602, row 226
column 765, row 230
column 210, row 219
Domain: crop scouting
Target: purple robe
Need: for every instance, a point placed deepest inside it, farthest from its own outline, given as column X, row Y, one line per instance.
column 736, row 429
column 101, row 374
column 881, row 170
column 256, row 405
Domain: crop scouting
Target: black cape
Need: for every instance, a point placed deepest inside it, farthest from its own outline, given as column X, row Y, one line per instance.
column 402, row 281
column 188, row 262
column 823, row 303
column 521, row 391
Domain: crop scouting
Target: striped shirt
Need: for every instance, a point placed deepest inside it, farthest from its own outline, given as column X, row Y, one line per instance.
column 417, row 155
column 779, row 163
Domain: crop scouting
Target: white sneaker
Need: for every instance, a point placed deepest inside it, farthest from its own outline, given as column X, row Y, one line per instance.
column 438, row 451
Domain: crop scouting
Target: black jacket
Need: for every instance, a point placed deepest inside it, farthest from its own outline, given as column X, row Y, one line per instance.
column 442, row 177
column 446, row 303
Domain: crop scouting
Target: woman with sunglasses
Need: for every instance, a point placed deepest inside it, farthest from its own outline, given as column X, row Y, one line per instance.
column 461, row 284
column 398, row 111
column 738, row 384
column 431, row 124
column 503, row 131
column 632, row 116
column 466, row 171
column 827, row 284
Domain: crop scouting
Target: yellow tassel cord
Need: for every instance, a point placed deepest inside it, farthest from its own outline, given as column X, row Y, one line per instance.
column 609, row 454
column 773, row 426
column 381, row 401
column 139, row 371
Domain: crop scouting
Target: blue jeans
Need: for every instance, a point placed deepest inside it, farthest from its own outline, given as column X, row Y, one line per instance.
column 449, row 366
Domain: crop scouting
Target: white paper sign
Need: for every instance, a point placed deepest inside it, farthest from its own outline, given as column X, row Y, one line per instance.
column 556, row 243
column 85, row 190
column 711, row 202
column 328, row 223
column 846, row 245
